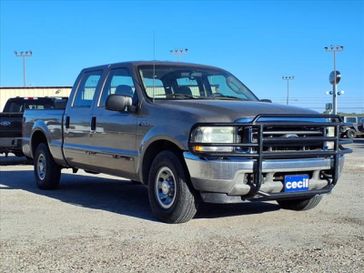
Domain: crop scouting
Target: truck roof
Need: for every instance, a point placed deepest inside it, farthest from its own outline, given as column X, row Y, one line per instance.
column 141, row 63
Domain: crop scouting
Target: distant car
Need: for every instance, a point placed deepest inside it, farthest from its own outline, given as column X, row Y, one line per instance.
column 12, row 116
column 355, row 129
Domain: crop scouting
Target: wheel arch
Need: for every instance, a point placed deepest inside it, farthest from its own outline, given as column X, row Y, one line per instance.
column 150, row 153
column 37, row 138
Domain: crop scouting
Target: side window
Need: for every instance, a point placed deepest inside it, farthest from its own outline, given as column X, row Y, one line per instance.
column 14, row 107
column 119, row 82
column 87, row 90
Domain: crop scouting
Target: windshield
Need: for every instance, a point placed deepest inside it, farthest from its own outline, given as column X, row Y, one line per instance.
column 185, row 82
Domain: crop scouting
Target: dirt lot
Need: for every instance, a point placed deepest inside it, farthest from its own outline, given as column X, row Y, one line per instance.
column 98, row 223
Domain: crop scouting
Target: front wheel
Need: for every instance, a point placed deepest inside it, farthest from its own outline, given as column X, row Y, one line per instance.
column 300, row 204
column 47, row 172
column 170, row 197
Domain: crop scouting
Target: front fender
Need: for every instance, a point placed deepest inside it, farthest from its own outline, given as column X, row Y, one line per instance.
column 178, row 137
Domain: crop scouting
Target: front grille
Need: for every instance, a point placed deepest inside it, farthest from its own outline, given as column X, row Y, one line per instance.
column 300, row 138
column 282, row 136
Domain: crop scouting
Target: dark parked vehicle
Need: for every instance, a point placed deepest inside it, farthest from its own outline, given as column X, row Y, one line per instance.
column 12, row 117
column 355, row 129
column 191, row 133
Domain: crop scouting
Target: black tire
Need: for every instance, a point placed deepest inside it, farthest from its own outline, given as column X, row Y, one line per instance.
column 300, row 204
column 350, row 133
column 184, row 203
column 47, row 173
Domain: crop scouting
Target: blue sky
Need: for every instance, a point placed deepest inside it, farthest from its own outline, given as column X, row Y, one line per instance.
column 258, row 41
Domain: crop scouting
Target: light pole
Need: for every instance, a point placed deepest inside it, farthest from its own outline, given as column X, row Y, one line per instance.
column 287, row 78
column 334, row 49
column 24, row 54
column 179, row 52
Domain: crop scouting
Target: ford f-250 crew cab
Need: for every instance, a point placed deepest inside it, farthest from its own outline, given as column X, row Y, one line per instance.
column 191, row 133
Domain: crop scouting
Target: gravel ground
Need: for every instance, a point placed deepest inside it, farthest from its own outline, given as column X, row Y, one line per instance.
column 104, row 224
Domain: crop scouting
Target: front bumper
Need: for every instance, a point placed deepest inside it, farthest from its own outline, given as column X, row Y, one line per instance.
column 225, row 180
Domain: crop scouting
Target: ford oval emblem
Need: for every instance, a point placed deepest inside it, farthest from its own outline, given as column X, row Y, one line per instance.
column 290, row 135
column 5, row 123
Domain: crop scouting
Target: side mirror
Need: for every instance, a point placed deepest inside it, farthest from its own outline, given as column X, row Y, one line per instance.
column 266, row 100
column 118, row 103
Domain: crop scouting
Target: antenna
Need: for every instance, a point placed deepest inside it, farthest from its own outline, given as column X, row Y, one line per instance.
column 153, row 64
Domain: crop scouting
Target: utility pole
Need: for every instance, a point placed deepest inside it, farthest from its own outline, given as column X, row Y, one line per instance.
column 287, row 78
column 23, row 55
column 179, row 52
column 335, row 80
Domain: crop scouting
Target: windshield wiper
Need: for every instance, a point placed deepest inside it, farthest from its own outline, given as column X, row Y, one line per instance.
column 180, row 96
column 221, row 96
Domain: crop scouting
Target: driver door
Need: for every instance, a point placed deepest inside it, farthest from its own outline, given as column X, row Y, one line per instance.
column 114, row 134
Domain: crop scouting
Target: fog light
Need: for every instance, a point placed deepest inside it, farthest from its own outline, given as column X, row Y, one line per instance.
column 329, row 145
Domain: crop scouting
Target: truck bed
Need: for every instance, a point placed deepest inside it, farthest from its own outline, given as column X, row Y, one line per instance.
column 49, row 122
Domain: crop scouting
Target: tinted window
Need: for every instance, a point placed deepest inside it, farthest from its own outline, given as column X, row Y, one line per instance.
column 351, row 120
column 13, row 107
column 37, row 103
column 119, row 82
column 87, row 90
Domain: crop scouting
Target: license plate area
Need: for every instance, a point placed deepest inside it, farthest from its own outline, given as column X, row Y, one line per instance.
column 296, row 183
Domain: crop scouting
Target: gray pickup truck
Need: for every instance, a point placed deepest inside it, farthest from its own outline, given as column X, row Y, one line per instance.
column 191, row 133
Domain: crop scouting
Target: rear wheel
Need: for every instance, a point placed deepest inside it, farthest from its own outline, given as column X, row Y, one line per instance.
column 350, row 133
column 47, row 172
column 300, row 204
column 171, row 198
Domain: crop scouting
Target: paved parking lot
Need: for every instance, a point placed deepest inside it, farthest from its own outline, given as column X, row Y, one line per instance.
column 99, row 223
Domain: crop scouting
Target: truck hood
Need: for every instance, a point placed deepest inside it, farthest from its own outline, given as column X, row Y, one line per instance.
column 229, row 110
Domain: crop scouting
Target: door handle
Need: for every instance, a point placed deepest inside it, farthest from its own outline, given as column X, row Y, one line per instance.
column 93, row 123
column 67, row 122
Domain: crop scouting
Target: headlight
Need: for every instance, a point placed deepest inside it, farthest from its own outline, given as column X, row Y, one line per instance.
column 213, row 134
column 330, row 132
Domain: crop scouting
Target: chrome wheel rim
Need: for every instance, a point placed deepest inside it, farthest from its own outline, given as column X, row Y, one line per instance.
column 41, row 167
column 165, row 187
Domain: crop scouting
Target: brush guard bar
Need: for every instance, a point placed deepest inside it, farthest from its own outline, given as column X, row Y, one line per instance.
column 259, row 124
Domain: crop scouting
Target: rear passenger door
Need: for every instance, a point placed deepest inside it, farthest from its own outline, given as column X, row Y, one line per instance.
column 77, row 125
